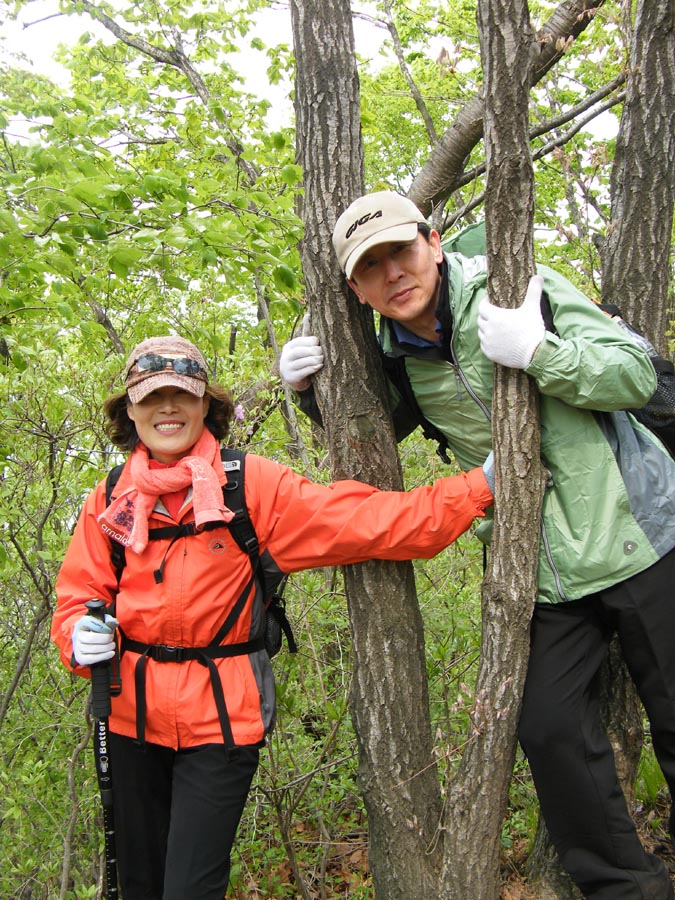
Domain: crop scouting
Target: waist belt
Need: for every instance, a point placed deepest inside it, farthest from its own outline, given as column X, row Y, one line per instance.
column 164, row 653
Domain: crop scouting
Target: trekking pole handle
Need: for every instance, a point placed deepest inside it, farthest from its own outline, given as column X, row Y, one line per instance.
column 100, row 672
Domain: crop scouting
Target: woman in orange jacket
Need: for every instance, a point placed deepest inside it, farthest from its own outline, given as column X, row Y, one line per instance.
column 184, row 758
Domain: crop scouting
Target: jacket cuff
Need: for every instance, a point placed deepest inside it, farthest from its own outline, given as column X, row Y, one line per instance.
column 480, row 489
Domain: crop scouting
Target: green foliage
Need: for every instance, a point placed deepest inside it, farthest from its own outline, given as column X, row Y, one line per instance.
column 148, row 197
column 650, row 781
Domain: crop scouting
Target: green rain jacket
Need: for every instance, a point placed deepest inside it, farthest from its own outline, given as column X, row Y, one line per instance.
column 609, row 508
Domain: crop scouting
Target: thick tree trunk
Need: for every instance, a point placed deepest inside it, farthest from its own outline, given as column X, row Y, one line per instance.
column 544, row 872
column 478, row 796
column 637, row 274
column 389, row 696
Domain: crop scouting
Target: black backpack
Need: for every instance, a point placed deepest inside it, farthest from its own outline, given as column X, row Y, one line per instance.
column 243, row 532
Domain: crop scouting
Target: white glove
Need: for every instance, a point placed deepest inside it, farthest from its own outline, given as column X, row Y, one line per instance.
column 489, row 471
column 511, row 337
column 300, row 358
column 93, row 640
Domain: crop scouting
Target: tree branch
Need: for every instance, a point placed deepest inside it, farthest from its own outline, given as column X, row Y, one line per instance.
column 548, row 148
column 405, row 71
column 176, row 58
column 439, row 176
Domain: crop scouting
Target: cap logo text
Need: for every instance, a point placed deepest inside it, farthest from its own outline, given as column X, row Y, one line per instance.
column 362, row 221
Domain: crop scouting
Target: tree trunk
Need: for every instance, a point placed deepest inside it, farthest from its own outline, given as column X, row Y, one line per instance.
column 389, row 695
column 636, row 275
column 479, row 794
column 622, row 717
column 544, row 872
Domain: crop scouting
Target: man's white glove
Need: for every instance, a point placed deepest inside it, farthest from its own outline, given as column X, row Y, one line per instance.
column 93, row 640
column 300, row 358
column 511, row 337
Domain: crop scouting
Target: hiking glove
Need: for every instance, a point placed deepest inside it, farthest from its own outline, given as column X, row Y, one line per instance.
column 511, row 337
column 489, row 471
column 93, row 640
column 300, row 358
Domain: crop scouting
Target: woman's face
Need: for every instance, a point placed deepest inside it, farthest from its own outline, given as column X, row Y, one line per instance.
column 169, row 421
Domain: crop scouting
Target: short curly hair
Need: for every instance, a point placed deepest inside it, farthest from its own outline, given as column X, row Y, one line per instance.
column 122, row 431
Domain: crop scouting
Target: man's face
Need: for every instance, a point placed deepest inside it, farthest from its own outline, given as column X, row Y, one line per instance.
column 401, row 281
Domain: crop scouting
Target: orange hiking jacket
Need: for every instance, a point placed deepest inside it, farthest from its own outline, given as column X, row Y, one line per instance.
column 300, row 525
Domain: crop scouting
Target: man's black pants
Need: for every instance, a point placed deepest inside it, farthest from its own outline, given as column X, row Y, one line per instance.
column 570, row 756
column 176, row 816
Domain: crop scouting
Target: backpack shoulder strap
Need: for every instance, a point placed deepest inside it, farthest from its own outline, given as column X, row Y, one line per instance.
column 117, row 551
column 111, row 480
column 241, row 526
column 396, row 371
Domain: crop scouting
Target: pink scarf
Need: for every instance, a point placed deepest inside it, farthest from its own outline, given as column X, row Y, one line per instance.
column 126, row 519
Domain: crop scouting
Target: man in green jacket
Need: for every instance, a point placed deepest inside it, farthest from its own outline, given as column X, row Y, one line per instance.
column 606, row 558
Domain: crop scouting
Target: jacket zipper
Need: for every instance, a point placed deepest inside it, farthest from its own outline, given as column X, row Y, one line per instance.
column 549, row 557
column 464, row 381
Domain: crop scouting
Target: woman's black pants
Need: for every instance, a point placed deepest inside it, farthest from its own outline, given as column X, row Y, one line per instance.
column 176, row 816
column 570, row 756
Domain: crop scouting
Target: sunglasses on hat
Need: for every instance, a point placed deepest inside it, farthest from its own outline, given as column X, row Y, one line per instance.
column 153, row 362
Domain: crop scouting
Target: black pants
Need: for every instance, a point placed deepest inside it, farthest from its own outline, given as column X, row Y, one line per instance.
column 176, row 815
column 570, row 756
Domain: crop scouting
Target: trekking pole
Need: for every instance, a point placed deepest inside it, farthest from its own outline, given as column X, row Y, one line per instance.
column 101, row 708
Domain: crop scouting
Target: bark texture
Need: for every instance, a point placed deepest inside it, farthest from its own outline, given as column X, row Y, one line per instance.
column 478, row 796
column 389, row 696
column 637, row 273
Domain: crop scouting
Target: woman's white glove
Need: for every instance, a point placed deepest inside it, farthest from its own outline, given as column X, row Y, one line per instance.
column 489, row 471
column 300, row 358
column 93, row 640
column 511, row 337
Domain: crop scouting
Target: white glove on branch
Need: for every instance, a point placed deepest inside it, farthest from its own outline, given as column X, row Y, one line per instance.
column 300, row 358
column 511, row 337
column 93, row 640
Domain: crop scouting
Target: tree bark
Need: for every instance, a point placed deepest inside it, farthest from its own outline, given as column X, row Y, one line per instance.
column 637, row 274
column 544, row 872
column 479, row 794
column 389, row 700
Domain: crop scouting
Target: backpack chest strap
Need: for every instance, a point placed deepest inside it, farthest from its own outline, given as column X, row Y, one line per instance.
column 165, row 653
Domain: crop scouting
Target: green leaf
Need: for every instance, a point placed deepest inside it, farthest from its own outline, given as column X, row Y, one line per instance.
column 66, row 311
column 278, row 140
column 284, row 278
column 292, row 175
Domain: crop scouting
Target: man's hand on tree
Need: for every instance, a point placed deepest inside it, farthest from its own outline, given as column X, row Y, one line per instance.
column 511, row 337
